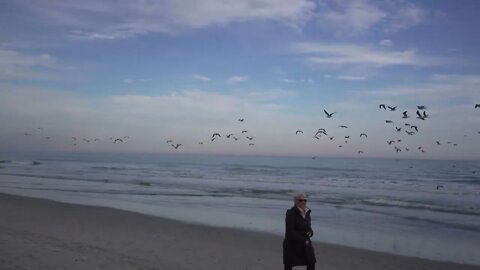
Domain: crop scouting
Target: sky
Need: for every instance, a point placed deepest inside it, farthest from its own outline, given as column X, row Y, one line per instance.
column 148, row 72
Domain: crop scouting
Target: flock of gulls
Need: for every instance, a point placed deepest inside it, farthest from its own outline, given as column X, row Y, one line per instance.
column 407, row 128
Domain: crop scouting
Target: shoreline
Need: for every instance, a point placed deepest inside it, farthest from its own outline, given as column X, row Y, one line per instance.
column 44, row 234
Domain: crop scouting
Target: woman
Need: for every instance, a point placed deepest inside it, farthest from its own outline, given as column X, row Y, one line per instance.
column 297, row 247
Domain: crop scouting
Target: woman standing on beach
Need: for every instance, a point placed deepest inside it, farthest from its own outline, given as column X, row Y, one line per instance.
column 297, row 247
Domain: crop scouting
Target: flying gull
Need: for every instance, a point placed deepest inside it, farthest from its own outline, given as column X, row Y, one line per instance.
column 176, row 145
column 329, row 115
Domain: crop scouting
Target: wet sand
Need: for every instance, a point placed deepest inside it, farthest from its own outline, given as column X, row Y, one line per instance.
column 43, row 234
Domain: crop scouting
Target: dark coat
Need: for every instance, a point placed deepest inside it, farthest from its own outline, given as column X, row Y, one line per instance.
column 297, row 231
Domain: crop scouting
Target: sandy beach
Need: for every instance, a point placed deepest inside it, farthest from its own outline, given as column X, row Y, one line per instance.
column 43, row 234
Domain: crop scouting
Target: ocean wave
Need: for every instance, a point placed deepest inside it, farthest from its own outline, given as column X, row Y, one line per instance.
column 113, row 168
column 19, row 162
column 94, row 191
column 473, row 180
column 57, row 177
column 422, row 206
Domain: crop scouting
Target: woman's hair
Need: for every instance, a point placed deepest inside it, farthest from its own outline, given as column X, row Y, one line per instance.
column 299, row 195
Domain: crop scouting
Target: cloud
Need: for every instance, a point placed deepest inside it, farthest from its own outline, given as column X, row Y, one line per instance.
column 405, row 17
column 18, row 65
column 386, row 42
column 91, row 19
column 201, row 78
column 356, row 16
column 343, row 53
column 187, row 116
column 350, row 15
column 351, row 78
column 439, row 87
column 141, row 80
column 190, row 116
column 271, row 95
column 236, row 79
column 298, row 81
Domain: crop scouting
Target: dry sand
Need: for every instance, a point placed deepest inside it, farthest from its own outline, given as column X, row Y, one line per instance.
column 40, row 234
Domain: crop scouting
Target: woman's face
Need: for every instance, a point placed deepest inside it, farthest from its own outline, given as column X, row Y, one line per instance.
column 301, row 202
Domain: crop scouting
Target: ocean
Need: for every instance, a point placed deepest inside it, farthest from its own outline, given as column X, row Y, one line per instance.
column 422, row 208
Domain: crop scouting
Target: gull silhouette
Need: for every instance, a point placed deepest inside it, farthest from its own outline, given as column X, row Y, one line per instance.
column 342, row 126
column 392, row 108
column 321, row 130
column 405, row 115
column 363, row 134
column 117, row 140
column 329, row 115
column 298, row 131
column 420, row 116
column 176, row 145
column 425, row 115
column 477, row 106
column 421, row 107
column 382, row 106
column 213, row 136
column 240, row 119
column 388, row 121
